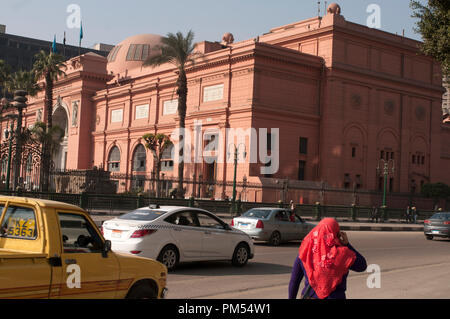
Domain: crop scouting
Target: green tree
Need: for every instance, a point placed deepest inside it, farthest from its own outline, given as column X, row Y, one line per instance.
column 434, row 26
column 436, row 191
column 5, row 73
column 178, row 50
column 157, row 144
column 48, row 66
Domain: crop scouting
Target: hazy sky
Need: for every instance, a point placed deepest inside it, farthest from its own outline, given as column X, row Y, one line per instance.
column 111, row 21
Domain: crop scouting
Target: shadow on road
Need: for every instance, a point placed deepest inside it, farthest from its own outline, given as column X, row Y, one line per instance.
column 224, row 268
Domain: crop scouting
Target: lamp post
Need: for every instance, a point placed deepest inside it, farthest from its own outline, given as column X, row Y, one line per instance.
column 236, row 153
column 9, row 136
column 387, row 166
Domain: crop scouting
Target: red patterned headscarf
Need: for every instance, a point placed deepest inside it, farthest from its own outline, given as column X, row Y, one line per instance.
column 324, row 258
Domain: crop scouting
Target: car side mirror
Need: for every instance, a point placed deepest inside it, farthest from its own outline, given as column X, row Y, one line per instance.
column 227, row 227
column 106, row 248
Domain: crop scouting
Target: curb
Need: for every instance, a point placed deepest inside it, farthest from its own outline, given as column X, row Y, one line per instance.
column 378, row 228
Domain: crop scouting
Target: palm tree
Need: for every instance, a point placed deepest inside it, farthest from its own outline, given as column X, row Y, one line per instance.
column 20, row 81
column 157, row 144
column 50, row 67
column 5, row 72
column 178, row 50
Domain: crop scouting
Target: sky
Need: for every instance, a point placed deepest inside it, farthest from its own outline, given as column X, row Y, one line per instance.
column 111, row 21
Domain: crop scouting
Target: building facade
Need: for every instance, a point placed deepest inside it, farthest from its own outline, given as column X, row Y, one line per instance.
column 324, row 101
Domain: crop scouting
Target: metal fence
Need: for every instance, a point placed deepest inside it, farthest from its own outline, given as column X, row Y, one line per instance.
column 121, row 203
column 126, row 187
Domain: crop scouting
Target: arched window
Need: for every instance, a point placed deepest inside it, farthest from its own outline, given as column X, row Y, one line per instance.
column 114, row 160
column 139, row 159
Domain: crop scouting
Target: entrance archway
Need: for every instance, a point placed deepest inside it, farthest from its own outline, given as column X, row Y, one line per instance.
column 61, row 119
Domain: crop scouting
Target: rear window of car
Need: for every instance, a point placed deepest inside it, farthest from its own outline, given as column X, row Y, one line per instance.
column 143, row 214
column 444, row 216
column 19, row 223
column 257, row 213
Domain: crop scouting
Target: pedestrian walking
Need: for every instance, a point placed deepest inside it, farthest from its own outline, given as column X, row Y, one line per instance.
column 377, row 214
column 408, row 214
column 373, row 214
column 292, row 216
column 324, row 260
column 414, row 215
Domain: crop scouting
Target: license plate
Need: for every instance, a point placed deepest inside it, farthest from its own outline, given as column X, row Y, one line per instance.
column 435, row 231
column 116, row 233
column 243, row 224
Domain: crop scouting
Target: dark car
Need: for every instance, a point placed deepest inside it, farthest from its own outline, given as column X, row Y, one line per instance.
column 437, row 226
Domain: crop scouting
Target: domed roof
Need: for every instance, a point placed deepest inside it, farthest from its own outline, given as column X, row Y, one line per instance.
column 132, row 52
column 334, row 8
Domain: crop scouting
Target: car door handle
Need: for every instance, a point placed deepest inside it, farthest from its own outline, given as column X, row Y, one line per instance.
column 70, row 261
column 177, row 229
column 207, row 232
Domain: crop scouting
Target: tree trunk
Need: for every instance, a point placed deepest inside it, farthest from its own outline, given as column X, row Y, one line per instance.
column 182, row 97
column 46, row 160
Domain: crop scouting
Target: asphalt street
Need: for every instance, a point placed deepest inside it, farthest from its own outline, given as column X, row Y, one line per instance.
column 410, row 267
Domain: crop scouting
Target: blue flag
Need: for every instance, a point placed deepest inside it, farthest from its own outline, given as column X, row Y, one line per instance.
column 81, row 31
column 54, row 49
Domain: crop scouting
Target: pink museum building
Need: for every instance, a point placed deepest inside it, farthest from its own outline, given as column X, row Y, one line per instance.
column 340, row 96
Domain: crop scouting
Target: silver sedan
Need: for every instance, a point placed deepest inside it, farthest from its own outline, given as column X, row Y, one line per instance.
column 273, row 225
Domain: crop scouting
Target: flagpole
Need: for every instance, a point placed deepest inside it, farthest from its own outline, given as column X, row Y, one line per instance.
column 81, row 37
column 64, row 45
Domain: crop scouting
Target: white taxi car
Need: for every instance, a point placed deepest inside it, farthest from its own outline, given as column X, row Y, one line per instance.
column 173, row 234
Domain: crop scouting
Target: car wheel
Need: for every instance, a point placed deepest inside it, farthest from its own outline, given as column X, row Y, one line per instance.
column 240, row 255
column 169, row 257
column 275, row 238
column 429, row 237
column 143, row 291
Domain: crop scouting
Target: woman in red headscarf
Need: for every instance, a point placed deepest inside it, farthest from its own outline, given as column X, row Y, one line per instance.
column 325, row 258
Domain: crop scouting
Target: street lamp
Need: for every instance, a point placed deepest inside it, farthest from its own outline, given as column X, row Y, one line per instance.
column 236, row 153
column 9, row 136
column 387, row 166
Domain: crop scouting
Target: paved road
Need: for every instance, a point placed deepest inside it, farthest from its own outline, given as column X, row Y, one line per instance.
column 411, row 267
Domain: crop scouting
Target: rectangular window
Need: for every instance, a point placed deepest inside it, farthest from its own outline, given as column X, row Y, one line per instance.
column 170, row 107
column 414, row 159
column 141, row 112
column 382, row 155
column 303, row 148
column 353, row 152
column 117, row 116
column 391, row 184
column 301, row 170
column 19, row 223
column 213, row 93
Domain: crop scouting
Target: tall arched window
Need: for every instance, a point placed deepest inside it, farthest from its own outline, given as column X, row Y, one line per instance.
column 114, row 160
column 139, row 159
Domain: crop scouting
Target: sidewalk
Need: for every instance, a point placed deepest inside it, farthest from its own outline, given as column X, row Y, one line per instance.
column 99, row 216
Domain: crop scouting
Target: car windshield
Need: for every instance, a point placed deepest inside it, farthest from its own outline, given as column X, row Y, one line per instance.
column 257, row 213
column 143, row 214
column 443, row 216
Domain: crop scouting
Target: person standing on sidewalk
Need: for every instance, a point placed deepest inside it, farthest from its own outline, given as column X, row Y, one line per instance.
column 324, row 260
column 414, row 215
column 373, row 214
column 408, row 214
